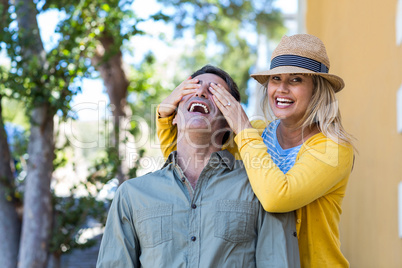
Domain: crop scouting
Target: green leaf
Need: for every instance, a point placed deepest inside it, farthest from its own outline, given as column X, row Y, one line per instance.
column 106, row 7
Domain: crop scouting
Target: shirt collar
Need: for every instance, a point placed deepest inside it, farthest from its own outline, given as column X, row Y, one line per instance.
column 171, row 159
column 223, row 156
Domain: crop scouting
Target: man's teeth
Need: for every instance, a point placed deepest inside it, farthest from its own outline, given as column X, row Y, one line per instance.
column 200, row 105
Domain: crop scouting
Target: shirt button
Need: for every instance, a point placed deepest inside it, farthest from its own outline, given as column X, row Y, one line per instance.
column 194, row 206
column 183, row 179
column 295, row 234
column 193, row 238
column 298, row 220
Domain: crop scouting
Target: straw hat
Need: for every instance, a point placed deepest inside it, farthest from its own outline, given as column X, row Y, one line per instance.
column 300, row 53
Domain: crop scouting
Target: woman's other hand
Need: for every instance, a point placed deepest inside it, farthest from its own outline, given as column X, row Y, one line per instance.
column 169, row 105
column 230, row 108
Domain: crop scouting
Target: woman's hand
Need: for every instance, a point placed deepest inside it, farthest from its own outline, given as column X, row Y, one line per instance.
column 169, row 105
column 230, row 108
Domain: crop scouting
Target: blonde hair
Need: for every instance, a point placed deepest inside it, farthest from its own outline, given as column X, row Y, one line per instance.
column 322, row 111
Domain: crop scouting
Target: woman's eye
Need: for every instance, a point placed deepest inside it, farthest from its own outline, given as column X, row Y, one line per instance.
column 275, row 78
column 297, row 79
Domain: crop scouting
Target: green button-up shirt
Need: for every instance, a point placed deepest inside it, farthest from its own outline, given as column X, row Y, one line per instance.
column 159, row 220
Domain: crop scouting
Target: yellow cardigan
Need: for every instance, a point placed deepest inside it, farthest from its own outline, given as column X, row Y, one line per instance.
column 314, row 187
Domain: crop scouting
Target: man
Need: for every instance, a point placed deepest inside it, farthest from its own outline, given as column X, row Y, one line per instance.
column 199, row 209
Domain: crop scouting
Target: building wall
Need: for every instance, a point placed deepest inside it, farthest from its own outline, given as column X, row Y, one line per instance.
column 361, row 40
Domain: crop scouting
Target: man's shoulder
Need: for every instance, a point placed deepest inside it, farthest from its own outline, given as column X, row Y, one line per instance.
column 148, row 178
column 235, row 183
column 238, row 166
column 146, row 187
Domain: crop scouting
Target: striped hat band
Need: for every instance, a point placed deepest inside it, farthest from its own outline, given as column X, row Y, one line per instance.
column 299, row 61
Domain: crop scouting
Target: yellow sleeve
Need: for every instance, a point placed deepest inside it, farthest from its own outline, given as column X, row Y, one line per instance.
column 231, row 146
column 320, row 166
column 167, row 133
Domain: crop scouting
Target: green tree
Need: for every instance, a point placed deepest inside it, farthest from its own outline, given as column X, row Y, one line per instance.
column 100, row 28
column 44, row 83
column 92, row 36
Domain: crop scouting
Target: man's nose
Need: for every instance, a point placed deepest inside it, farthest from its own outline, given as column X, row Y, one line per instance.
column 203, row 91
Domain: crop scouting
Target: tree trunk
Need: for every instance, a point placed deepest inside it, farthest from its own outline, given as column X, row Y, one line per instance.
column 54, row 261
column 116, row 83
column 36, row 225
column 10, row 225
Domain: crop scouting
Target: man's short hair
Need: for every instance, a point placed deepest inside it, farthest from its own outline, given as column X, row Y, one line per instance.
column 234, row 90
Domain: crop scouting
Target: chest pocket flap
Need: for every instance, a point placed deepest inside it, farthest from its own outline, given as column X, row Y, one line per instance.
column 154, row 225
column 235, row 220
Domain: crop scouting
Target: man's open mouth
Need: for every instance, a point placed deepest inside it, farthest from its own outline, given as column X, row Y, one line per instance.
column 199, row 108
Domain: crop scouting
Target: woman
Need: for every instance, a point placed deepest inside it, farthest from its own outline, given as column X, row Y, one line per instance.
column 302, row 160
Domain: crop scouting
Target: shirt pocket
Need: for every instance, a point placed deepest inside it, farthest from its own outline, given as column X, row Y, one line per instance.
column 154, row 225
column 235, row 220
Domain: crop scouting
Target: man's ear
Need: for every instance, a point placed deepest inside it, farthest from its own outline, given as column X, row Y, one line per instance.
column 174, row 122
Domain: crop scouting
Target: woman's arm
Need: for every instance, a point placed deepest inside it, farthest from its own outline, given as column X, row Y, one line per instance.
column 320, row 167
column 167, row 134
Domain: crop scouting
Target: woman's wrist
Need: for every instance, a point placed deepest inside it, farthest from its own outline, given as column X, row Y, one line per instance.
column 165, row 110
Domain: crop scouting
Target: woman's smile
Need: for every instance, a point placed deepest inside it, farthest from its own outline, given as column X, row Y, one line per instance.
column 283, row 102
